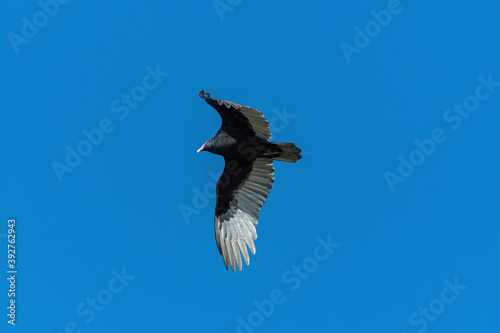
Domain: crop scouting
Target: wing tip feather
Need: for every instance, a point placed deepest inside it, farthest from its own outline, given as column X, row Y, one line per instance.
column 204, row 95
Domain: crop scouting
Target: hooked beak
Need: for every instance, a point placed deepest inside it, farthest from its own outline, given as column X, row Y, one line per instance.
column 202, row 148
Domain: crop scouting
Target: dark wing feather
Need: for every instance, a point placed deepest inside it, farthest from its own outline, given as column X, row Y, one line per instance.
column 241, row 191
column 239, row 120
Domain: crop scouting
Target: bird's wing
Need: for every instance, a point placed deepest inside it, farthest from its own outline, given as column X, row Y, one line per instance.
column 235, row 117
column 241, row 191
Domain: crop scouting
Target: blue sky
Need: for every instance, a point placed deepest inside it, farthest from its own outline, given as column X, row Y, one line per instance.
column 389, row 223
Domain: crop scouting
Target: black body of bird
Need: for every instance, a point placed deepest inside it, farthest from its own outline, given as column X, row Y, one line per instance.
column 248, row 175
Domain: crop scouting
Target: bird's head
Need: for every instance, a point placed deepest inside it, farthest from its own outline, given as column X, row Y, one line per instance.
column 208, row 146
column 203, row 147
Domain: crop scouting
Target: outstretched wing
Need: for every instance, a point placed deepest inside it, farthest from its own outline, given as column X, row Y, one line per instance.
column 239, row 120
column 241, row 191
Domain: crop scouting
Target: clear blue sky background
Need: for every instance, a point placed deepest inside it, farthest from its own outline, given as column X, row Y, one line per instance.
column 355, row 114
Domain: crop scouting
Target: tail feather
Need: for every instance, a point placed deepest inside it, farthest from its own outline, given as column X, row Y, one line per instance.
column 287, row 152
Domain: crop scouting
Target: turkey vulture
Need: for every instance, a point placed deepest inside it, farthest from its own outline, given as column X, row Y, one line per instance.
column 247, row 177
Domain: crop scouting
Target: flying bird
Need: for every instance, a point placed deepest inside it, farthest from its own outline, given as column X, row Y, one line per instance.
column 248, row 176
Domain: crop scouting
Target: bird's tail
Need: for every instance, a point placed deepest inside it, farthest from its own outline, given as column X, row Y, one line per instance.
column 287, row 152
